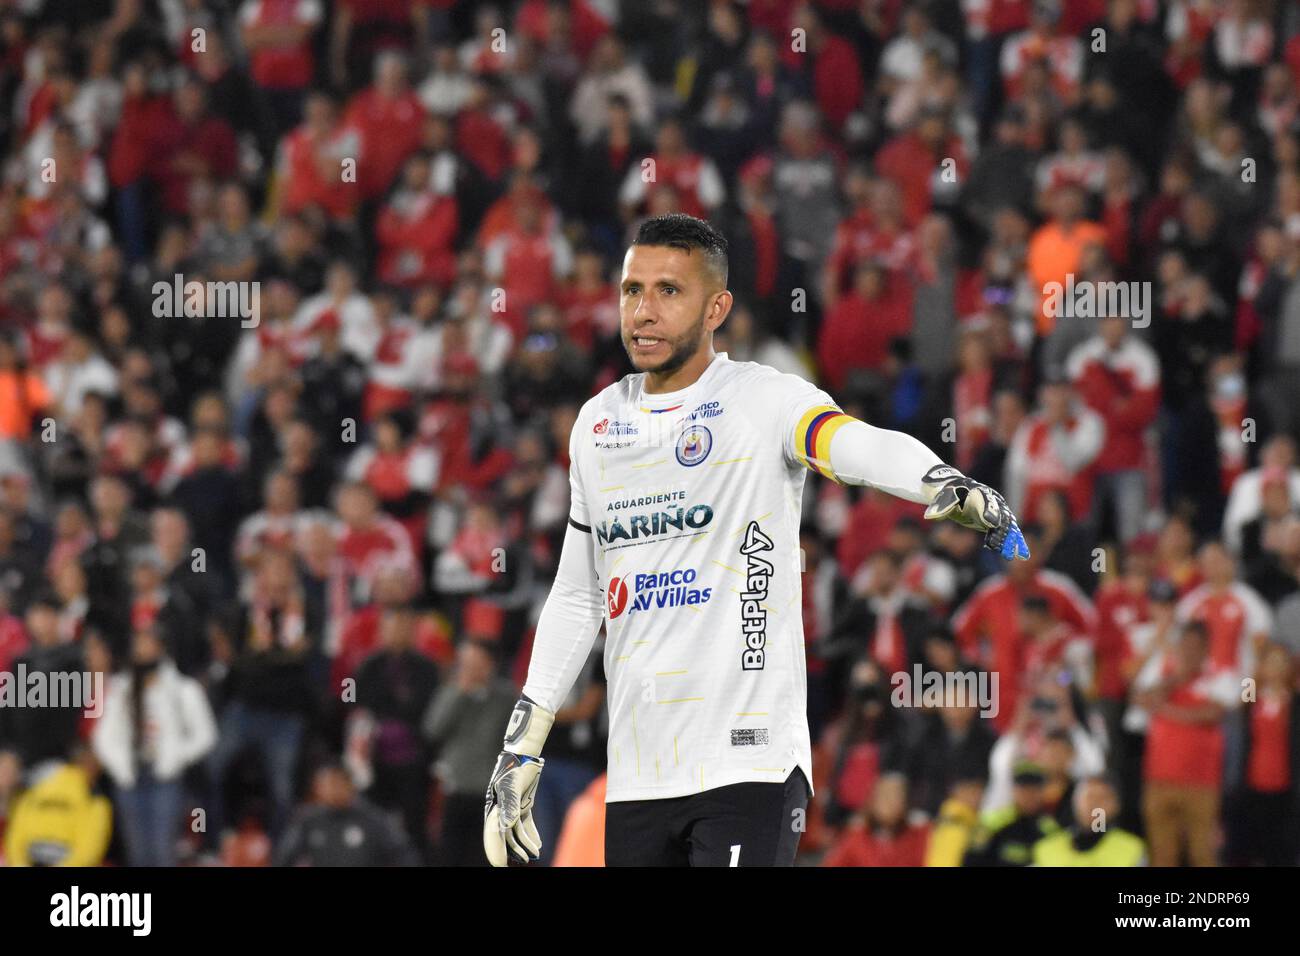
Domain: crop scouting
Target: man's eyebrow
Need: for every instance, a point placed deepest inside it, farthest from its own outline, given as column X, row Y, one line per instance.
column 661, row 281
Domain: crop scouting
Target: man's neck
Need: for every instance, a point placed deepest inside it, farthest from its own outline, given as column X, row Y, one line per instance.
column 681, row 378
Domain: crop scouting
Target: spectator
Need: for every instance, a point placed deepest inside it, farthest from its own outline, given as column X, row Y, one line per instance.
column 463, row 724
column 390, row 120
column 1246, row 499
column 610, row 73
column 955, row 824
column 860, row 326
column 953, row 746
column 1183, row 768
column 313, row 158
column 1007, row 836
column 264, row 650
column 1092, row 841
column 882, row 836
column 27, row 396
column 278, row 38
column 696, row 179
column 986, row 624
column 59, row 819
column 1237, row 618
column 1055, row 449
column 395, row 685
column 1118, row 376
column 341, row 829
column 156, row 723
column 1052, row 708
column 42, row 733
column 1261, row 774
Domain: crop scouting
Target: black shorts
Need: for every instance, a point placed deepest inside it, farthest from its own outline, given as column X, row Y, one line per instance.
column 745, row 824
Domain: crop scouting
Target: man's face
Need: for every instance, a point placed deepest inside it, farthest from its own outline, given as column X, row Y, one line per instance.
column 475, row 665
column 396, row 629
column 668, row 300
column 1028, row 798
column 333, row 788
column 1216, row 565
column 1112, row 331
column 1094, row 795
column 43, row 625
column 1190, row 653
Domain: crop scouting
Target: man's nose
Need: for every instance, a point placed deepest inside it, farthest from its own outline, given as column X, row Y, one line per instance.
column 644, row 316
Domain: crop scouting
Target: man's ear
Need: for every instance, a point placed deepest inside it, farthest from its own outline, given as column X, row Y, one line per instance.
column 719, row 310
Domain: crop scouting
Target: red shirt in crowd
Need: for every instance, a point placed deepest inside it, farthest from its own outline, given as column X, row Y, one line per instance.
column 383, row 543
column 1118, row 609
column 482, row 141
column 282, row 66
column 857, row 331
column 391, row 129
column 132, row 148
column 837, row 80
column 586, row 26
column 912, row 164
column 311, row 172
column 416, row 238
column 1184, row 752
column 1123, row 387
column 1034, row 456
column 588, row 312
column 210, row 141
column 1235, row 616
column 13, row 641
column 860, row 847
column 1268, row 769
column 446, row 425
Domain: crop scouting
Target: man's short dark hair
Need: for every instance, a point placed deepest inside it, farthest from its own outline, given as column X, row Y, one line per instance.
column 680, row 231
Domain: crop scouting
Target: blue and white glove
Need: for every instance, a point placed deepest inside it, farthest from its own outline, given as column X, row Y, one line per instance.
column 508, row 828
column 975, row 506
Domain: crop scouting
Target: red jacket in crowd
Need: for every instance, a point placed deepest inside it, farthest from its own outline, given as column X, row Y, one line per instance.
column 860, row 847
column 1123, row 387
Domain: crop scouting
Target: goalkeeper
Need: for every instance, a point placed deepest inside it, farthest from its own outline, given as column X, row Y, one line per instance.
column 686, row 483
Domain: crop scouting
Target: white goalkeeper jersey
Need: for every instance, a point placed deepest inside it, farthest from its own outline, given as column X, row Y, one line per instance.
column 693, row 502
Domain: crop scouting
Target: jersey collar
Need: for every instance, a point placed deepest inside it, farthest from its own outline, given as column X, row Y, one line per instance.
column 664, row 402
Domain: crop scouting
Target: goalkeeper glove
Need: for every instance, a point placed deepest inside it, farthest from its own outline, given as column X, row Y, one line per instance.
column 508, row 826
column 976, row 506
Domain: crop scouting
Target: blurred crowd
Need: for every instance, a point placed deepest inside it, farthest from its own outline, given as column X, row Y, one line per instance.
column 309, row 542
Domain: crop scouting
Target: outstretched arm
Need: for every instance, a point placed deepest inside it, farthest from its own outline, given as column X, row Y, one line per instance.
column 852, row 452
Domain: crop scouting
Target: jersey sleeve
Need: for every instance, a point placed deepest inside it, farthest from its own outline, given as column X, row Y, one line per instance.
column 890, row 461
column 579, row 516
column 808, row 417
column 574, row 609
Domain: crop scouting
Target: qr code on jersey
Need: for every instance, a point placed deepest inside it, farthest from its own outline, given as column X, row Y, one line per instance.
column 749, row 737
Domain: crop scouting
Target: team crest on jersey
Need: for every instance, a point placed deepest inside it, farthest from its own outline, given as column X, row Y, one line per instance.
column 694, row 445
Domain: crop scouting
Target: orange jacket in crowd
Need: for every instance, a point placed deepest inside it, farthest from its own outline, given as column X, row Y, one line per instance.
column 582, row 841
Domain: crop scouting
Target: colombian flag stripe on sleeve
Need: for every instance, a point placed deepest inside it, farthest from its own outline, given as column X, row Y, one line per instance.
column 813, row 436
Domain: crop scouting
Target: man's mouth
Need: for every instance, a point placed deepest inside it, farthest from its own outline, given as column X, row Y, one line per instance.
column 645, row 343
